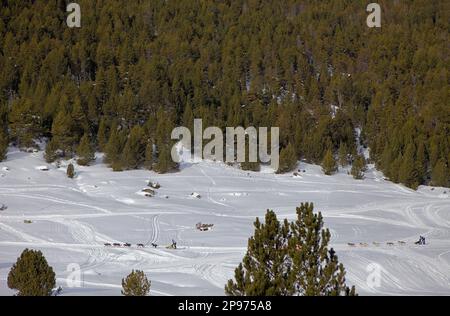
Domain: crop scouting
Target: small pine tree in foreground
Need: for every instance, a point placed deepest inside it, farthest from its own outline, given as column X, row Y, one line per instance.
column 290, row 259
column 70, row 171
column 31, row 275
column 265, row 270
column 136, row 284
column 316, row 270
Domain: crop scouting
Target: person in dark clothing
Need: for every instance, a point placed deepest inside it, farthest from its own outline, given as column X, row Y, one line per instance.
column 421, row 241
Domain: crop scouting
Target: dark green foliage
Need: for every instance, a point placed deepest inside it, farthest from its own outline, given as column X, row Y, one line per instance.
column 4, row 142
column 133, row 154
column 31, row 275
column 247, row 165
column 70, row 171
column 265, row 269
column 420, row 162
column 136, row 284
column 148, row 163
column 85, row 151
column 51, row 152
column 114, row 149
column 316, row 270
column 304, row 66
column 408, row 173
column 358, row 167
column 24, row 123
column 165, row 162
column 329, row 165
column 164, row 126
column 102, row 135
column 343, row 155
column 290, row 259
column 288, row 159
column 62, row 132
column 251, row 166
column 441, row 174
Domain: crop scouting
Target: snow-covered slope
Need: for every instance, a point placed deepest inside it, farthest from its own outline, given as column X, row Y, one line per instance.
column 72, row 219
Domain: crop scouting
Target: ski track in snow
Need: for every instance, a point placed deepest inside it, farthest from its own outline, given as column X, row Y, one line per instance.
column 71, row 220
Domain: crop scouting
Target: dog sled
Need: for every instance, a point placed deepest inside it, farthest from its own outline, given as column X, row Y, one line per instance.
column 204, row 227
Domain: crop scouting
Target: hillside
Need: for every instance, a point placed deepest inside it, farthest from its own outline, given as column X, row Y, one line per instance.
column 313, row 68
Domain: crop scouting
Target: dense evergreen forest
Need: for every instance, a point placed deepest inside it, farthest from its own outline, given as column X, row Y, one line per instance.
column 135, row 69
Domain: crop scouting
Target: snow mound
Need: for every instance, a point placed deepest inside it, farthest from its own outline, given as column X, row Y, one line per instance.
column 42, row 168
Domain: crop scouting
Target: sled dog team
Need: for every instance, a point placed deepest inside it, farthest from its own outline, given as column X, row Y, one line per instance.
column 421, row 241
column 128, row 245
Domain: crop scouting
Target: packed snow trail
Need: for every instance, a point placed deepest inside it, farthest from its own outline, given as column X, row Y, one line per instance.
column 374, row 223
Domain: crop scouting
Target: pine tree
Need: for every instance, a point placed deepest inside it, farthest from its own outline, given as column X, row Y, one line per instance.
column 85, row 151
column 70, row 171
column 188, row 117
column 285, row 259
column 165, row 162
column 316, row 270
column 265, row 268
column 136, row 284
column 358, row 167
column 63, row 137
column 407, row 173
column 288, row 159
column 4, row 142
column 134, row 151
column 24, row 123
column 113, row 150
column 51, row 152
column 440, row 174
column 79, row 120
column 112, row 147
column 393, row 169
column 163, row 142
column 329, row 165
column 247, row 165
column 102, row 135
column 148, row 163
column 343, row 155
column 421, row 162
column 31, row 275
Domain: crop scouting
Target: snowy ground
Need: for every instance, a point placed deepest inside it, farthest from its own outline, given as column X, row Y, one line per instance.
column 72, row 219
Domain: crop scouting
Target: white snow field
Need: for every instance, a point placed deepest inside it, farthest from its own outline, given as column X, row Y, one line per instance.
column 71, row 220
